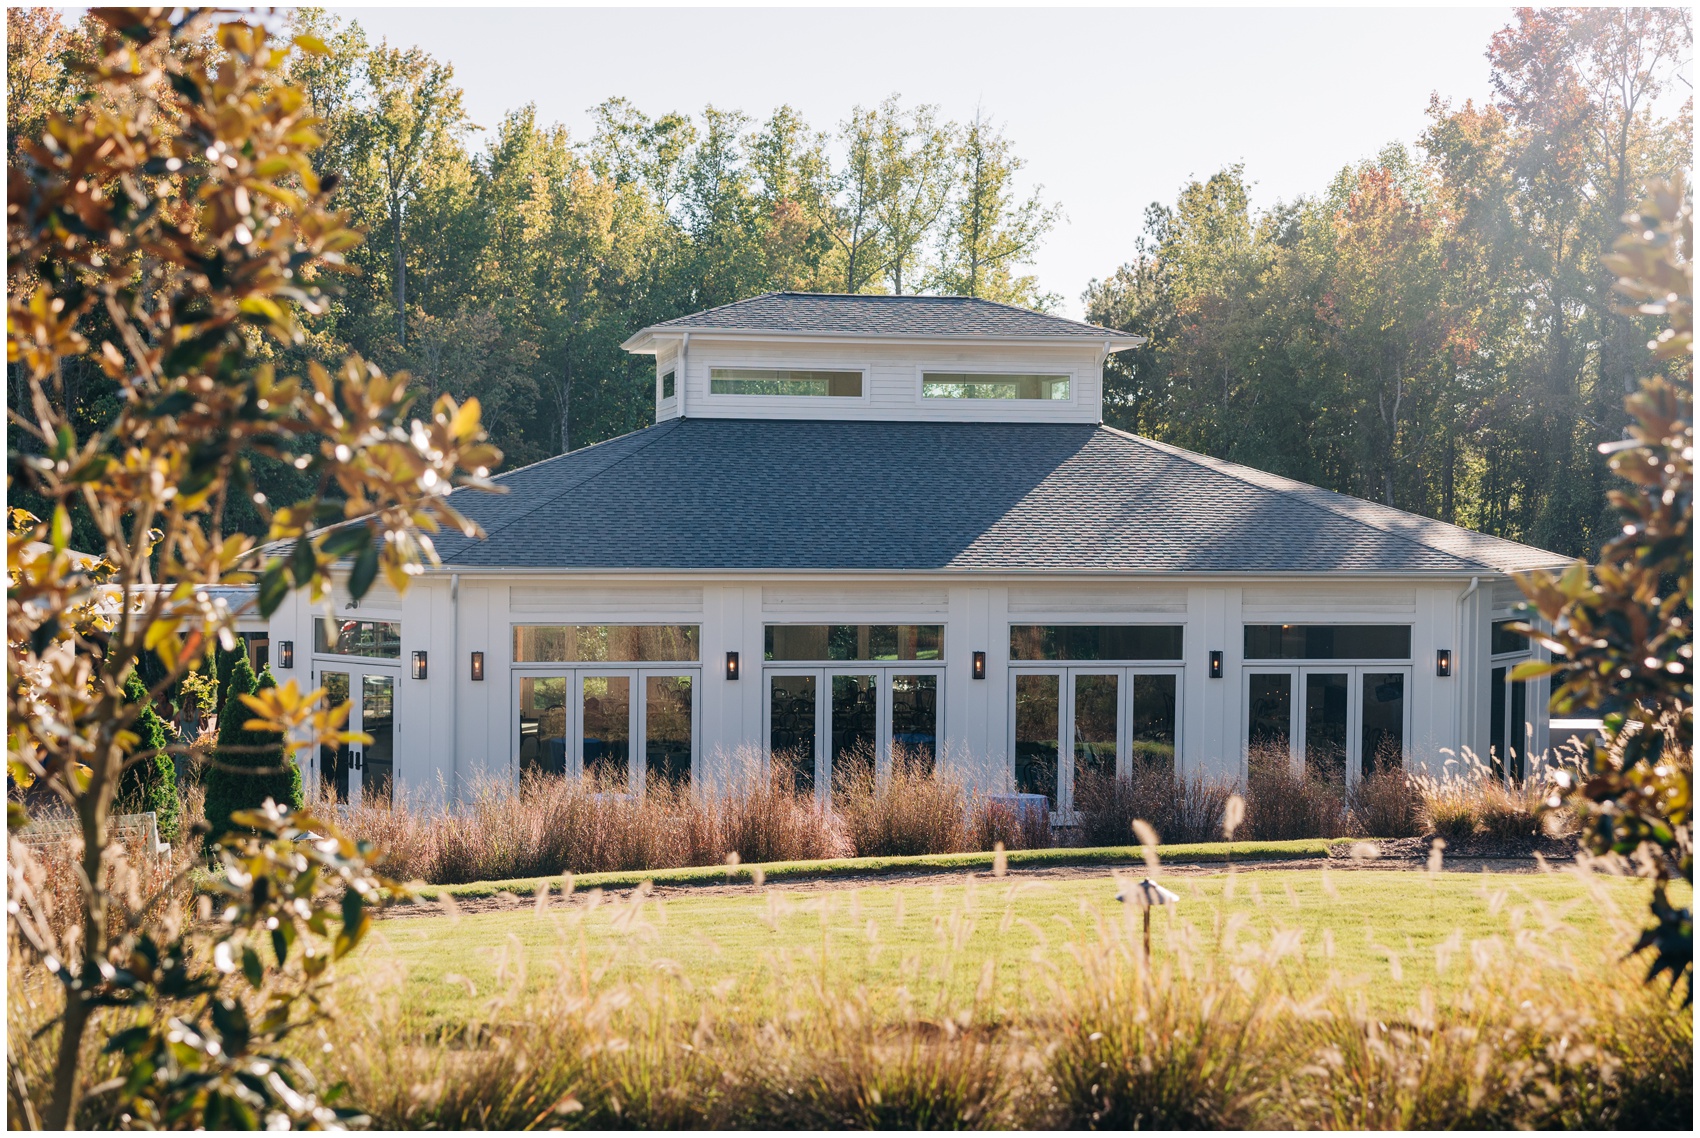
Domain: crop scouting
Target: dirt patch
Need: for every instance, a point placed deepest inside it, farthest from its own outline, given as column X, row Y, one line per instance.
column 1392, row 855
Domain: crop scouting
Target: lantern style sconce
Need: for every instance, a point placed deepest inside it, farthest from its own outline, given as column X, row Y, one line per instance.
column 1216, row 665
column 732, row 665
column 286, row 653
column 1443, row 662
column 478, row 665
column 419, row 665
column 979, row 665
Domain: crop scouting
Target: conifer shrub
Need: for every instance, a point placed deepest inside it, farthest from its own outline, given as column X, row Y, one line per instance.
column 248, row 766
column 151, row 782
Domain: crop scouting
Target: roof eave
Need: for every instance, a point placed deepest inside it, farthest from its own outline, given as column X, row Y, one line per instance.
column 644, row 342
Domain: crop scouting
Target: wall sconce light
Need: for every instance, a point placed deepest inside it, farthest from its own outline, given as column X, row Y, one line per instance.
column 732, row 665
column 1443, row 662
column 1216, row 665
column 979, row 665
column 286, row 653
column 419, row 665
column 478, row 665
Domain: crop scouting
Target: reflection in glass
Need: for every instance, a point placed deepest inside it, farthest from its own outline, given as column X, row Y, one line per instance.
column 1095, row 641
column 1325, row 724
column 915, row 720
column 1518, row 740
column 1269, row 715
column 1383, row 721
column 608, row 730
column 379, row 639
column 1327, row 642
column 1154, row 721
column 974, row 385
column 826, row 642
column 1036, row 741
column 1505, row 641
column 1096, row 699
column 855, row 707
column 334, row 758
column 1496, row 722
column 377, row 719
column 784, row 381
column 667, row 729
column 791, row 728
column 604, row 643
column 543, row 725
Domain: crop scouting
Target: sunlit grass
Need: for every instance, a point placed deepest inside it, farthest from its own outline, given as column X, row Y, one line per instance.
column 926, row 948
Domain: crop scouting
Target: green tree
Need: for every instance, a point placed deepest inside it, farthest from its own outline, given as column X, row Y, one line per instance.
column 989, row 233
column 914, row 174
column 249, row 764
column 150, row 777
column 1622, row 635
column 167, row 233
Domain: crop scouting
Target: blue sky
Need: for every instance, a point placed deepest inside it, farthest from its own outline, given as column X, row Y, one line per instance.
column 1112, row 109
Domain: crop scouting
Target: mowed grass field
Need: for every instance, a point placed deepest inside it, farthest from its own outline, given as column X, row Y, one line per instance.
column 993, row 948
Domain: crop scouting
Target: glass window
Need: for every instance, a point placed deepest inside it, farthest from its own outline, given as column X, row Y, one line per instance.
column 543, row 725
column 1506, row 641
column 380, row 639
column 603, row 643
column 855, row 707
column 377, row 720
column 915, row 720
column 668, row 389
column 1325, row 724
column 1154, row 721
column 667, row 729
column 608, row 730
column 960, row 385
column 791, row 729
column 1095, row 641
column 854, row 642
column 1096, row 704
column 784, row 381
column 1036, row 735
column 335, row 759
column 259, row 648
column 1269, row 716
column 1328, row 642
column 1383, row 721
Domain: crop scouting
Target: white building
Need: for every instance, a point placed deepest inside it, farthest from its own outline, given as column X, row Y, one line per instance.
column 863, row 522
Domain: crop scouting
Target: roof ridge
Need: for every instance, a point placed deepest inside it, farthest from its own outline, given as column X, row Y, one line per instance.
column 1239, row 472
column 565, row 490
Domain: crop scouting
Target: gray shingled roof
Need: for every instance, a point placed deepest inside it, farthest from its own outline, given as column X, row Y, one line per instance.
column 784, row 494
column 841, row 314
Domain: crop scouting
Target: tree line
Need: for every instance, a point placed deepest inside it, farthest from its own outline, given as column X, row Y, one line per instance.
column 1434, row 330
column 1437, row 330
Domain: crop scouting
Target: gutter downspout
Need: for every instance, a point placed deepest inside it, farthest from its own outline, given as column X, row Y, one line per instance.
column 1475, row 583
column 454, row 683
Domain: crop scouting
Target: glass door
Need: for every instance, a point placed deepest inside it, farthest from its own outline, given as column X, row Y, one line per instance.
column 625, row 728
column 832, row 727
column 1343, row 723
column 361, row 773
column 1107, row 722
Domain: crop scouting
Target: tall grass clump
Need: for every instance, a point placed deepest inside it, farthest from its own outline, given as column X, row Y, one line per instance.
column 1386, row 804
column 913, row 809
column 1467, row 801
column 1284, row 801
column 1181, row 809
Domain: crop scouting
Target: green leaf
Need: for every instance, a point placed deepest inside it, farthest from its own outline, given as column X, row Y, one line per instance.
column 61, row 528
column 365, row 570
column 347, row 541
column 304, row 564
column 274, row 586
column 16, row 816
column 252, row 968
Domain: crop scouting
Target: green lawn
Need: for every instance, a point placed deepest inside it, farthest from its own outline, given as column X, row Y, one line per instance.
column 928, row 945
column 775, row 871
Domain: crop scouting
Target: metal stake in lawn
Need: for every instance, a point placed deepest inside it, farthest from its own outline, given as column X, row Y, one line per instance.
column 1146, row 895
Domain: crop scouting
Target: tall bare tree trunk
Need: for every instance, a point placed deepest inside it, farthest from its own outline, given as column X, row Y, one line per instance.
column 400, row 275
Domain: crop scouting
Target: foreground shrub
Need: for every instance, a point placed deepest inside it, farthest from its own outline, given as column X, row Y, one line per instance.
column 1387, row 804
column 1284, row 802
column 912, row 810
column 1179, row 808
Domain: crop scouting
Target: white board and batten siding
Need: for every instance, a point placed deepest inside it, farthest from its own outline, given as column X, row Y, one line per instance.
column 891, row 381
column 456, row 730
